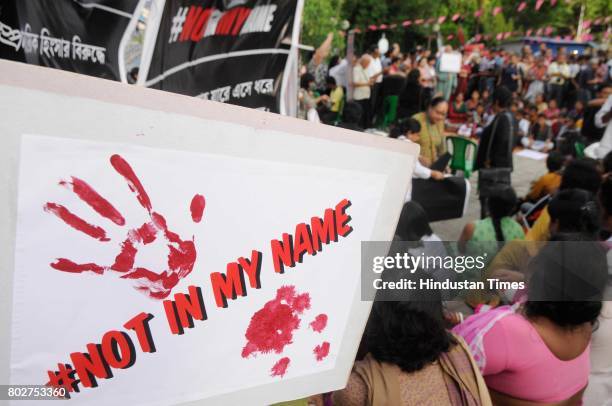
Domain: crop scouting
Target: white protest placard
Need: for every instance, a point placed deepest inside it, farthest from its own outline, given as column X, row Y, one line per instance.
column 158, row 249
column 450, row 62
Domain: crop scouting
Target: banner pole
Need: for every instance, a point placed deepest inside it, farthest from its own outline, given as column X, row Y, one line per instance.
column 287, row 101
column 127, row 34
column 150, row 37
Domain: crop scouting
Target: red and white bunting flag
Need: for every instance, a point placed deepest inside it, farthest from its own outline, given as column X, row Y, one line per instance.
column 539, row 4
column 539, row 32
column 460, row 35
column 393, row 26
column 372, row 27
column 383, row 27
column 450, row 37
column 407, row 23
column 357, row 30
column 553, row 3
column 418, row 21
column 499, row 36
column 597, row 21
column 497, row 10
column 586, row 24
column 441, row 19
column 477, row 37
column 522, row 6
column 456, row 17
column 528, row 33
column 478, row 13
column 548, row 30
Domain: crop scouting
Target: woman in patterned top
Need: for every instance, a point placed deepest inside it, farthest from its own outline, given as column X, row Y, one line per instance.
column 412, row 360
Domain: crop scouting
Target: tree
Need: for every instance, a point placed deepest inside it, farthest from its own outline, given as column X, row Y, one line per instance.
column 320, row 17
column 563, row 16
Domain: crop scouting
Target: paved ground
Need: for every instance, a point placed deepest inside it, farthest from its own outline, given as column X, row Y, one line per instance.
column 525, row 171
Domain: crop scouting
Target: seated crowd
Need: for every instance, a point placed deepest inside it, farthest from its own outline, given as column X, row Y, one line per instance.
column 549, row 344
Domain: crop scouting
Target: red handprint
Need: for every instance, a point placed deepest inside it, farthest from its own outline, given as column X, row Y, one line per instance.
column 272, row 327
column 182, row 253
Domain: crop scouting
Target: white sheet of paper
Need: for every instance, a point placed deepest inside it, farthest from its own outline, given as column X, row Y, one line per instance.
column 528, row 153
column 237, row 192
column 450, row 62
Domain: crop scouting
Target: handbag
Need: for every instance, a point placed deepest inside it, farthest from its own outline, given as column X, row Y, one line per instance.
column 489, row 178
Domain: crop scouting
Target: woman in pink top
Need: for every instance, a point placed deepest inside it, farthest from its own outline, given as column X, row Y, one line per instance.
column 538, row 352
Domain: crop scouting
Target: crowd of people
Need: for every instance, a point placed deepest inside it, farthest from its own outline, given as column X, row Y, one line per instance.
column 550, row 343
column 555, row 95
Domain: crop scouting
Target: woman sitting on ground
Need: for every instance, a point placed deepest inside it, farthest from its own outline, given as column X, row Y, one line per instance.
column 483, row 236
column 538, row 352
column 412, row 360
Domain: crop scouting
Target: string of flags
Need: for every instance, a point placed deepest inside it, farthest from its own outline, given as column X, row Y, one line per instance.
column 522, row 6
column 545, row 31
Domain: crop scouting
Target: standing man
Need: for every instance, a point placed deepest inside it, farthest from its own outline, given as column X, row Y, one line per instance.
column 375, row 72
column 447, row 81
column 559, row 74
column 496, row 141
column 510, row 76
column 603, row 119
column 361, row 88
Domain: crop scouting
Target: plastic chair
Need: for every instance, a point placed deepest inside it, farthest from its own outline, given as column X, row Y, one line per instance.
column 463, row 154
column 389, row 111
column 579, row 148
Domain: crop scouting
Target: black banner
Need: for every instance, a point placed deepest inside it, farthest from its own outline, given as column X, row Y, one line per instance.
column 81, row 36
column 231, row 51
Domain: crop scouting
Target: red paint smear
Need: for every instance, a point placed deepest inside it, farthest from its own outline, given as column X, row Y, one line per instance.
column 182, row 253
column 271, row 328
column 124, row 261
column 280, row 368
column 319, row 323
column 321, row 351
column 127, row 172
column 76, row 222
column 66, row 265
column 146, row 234
column 94, row 200
column 197, row 208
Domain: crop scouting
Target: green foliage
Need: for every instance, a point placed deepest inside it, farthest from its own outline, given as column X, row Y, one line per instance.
column 563, row 17
column 319, row 18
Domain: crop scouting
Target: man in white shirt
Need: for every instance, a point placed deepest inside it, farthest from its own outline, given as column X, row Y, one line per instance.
column 340, row 72
column 375, row 71
column 603, row 118
column 361, row 88
column 559, row 73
